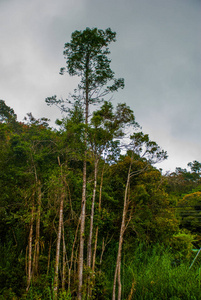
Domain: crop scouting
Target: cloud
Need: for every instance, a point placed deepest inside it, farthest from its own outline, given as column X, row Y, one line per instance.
column 157, row 52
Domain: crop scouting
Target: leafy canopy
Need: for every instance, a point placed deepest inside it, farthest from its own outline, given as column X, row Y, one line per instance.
column 7, row 114
column 87, row 57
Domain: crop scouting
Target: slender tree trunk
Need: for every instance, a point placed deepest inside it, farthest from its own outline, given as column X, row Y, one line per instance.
column 26, row 261
column 30, row 250
column 104, row 244
column 64, row 261
column 89, row 250
column 114, row 284
column 38, row 193
column 82, row 228
column 37, row 241
column 99, row 210
column 119, row 280
column 102, row 251
column 83, row 205
column 56, row 272
column 122, row 230
column 95, row 249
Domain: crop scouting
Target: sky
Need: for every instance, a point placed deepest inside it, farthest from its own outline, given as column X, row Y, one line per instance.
column 157, row 52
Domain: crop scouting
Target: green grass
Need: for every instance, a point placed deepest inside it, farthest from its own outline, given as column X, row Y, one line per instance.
column 155, row 275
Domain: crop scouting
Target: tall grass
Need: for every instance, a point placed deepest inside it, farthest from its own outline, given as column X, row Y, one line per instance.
column 154, row 274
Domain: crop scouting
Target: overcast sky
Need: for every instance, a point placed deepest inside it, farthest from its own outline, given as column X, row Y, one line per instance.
column 157, row 52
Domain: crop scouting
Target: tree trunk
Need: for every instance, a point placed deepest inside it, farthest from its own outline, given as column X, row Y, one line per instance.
column 56, row 272
column 122, row 230
column 89, row 250
column 26, row 261
column 30, row 250
column 84, row 184
column 99, row 210
column 82, row 227
column 37, row 241
column 64, row 261
column 119, row 279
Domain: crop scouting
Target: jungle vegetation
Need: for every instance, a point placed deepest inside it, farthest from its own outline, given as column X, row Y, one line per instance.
column 84, row 212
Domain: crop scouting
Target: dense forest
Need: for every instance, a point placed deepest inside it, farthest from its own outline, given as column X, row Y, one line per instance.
column 84, row 212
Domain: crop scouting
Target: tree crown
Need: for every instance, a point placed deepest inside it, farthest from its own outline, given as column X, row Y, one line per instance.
column 87, row 56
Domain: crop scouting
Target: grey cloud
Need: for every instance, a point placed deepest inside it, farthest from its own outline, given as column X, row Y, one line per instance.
column 157, row 52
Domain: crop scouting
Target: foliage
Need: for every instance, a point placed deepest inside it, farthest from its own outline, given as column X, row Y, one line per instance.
column 153, row 274
column 39, row 166
column 189, row 210
column 32, row 151
column 7, row 114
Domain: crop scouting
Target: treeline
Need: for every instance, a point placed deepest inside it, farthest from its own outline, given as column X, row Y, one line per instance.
column 41, row 192
column 84, row 212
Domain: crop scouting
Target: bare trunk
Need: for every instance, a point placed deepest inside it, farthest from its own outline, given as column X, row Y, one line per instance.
column 84, row 184
column 119, row 280
column 95, row 249
column 99, row 210
column 26, row 261
column 30, row 250
column 82, row 227
column 114, row 284
column 89, row 250
column 122, row 230
column 64, row 262
column 56, row 272
column 37, row 241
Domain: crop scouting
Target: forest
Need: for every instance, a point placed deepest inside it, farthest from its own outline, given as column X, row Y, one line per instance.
column 84, row 212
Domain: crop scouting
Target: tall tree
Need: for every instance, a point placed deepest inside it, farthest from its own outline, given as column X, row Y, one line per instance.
column 105, row 126
column 141, row 148
column 87, row 57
